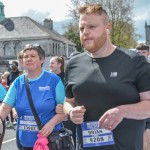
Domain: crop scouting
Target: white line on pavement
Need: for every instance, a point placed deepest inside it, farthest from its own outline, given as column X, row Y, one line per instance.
column 9, row 140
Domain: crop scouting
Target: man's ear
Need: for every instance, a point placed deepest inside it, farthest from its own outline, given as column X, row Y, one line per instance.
column 108, row 28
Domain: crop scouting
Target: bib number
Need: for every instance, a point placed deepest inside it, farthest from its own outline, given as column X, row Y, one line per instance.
column 27, row 123
column 93, row 135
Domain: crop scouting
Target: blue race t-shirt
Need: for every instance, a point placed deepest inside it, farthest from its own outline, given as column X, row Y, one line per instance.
column 47, row 91
column 3, row 92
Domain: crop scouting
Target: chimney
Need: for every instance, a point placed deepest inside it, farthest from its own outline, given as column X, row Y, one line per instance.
column 48, row 23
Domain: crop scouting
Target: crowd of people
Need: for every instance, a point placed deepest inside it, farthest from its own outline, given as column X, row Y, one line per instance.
column 6, row 80
column 106, row 106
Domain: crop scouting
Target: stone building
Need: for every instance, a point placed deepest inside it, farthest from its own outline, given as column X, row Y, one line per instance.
column 16, row 32
column 147, row 34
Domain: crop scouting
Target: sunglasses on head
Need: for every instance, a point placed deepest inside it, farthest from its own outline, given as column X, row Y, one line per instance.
column 33, row 46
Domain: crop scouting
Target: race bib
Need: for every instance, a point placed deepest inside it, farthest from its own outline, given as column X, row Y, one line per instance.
column 93, row 135
column 27, row 123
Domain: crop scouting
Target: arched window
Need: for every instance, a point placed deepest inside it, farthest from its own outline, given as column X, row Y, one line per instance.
column 17, row 47
column 7, row 49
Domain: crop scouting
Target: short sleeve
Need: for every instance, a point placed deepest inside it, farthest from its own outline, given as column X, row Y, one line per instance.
column 10, row 97
column 68, row 84
column 60, row 93
column 142, row 74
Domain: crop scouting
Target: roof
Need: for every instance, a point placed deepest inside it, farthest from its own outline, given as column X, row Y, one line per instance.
column 27, row 28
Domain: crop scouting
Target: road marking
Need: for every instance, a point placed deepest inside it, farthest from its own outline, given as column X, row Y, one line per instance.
column 9, row 140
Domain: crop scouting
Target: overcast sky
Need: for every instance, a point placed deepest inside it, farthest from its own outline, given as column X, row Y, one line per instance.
column 57, row 10
column 54, row 9
column 142, row 15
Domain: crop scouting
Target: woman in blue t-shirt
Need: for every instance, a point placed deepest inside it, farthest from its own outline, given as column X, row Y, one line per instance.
column 45, row 89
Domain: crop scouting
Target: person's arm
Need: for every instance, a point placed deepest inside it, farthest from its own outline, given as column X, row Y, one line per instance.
column 57, row 118
column 4, row 110
column 49, row 126
column 14, row 113
column 59, row 109
column 76, row 114
column 138, row 111
column 69, row 105
column 8, row 102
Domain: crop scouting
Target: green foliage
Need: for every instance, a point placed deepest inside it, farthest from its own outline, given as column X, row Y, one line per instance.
column 73, row 34
column 124, row 36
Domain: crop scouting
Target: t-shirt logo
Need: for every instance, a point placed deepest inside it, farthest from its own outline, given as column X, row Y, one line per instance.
column 45, row 88
column 113, row 74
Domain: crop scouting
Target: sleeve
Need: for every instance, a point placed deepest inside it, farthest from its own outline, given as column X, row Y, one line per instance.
column 60, row 93
column 142, row 74
column 10, row 97
column 67, row 82
column 2, row 92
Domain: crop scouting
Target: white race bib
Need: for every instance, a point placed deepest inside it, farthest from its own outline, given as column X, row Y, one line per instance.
column 93, row 135
column 27, row 123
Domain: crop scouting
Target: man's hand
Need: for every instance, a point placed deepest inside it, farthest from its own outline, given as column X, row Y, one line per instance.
column 77, row 114
column 111, row 118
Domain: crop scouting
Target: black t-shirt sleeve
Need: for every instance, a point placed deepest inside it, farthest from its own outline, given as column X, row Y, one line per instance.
column 142, row 74
column 68, row 85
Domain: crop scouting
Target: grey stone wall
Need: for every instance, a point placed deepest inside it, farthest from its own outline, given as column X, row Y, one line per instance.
column 4, row 65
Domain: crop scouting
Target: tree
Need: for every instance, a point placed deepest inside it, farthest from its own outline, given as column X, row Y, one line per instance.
column 120, row 15
column 72, row 34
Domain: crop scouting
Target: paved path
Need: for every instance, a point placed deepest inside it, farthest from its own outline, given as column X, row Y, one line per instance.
column 9, row 141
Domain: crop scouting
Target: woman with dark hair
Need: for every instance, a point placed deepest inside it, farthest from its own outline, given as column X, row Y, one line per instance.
column 45, row 90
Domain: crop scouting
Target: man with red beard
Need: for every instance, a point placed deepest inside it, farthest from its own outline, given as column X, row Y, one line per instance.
column 108, row 102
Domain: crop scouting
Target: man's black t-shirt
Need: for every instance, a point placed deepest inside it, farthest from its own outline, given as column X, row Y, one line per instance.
column 13, row 75
column 103, row 83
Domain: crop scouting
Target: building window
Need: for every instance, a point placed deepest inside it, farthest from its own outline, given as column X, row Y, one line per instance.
column 7, row 49
column 17, row 47
column 53, row 49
